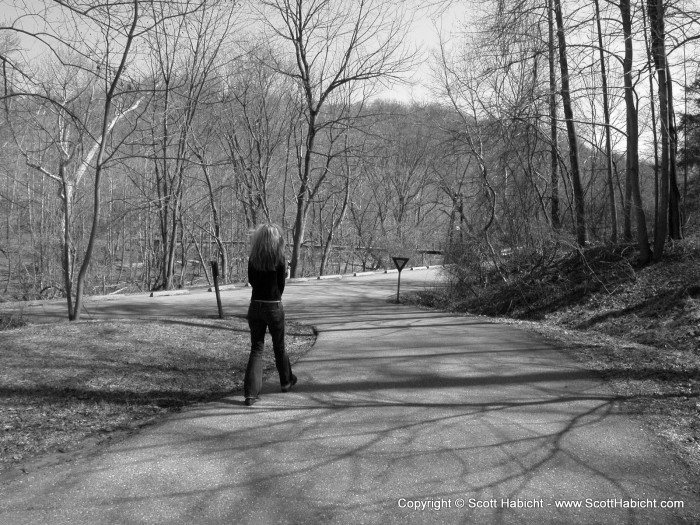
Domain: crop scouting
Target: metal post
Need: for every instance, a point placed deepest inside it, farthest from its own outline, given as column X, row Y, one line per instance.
column 398, row 288
column 399, row 262
column 215, row 273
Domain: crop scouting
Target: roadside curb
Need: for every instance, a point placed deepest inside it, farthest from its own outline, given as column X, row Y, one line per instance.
column 223, row 288
column 169, row 292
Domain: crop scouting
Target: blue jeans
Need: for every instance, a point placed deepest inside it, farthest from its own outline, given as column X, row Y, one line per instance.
column 262, row 316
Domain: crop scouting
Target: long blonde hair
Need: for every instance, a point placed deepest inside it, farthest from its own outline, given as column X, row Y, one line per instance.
column 267, row 248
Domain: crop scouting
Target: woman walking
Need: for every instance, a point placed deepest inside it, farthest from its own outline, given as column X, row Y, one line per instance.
column 267, row 270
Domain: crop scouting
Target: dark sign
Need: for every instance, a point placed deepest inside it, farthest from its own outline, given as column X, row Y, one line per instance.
column 400, row 262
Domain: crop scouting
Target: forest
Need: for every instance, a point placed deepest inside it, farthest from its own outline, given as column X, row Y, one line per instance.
column 143, row 140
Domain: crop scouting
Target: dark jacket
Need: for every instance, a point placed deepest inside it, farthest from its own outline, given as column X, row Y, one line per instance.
column 268, row 285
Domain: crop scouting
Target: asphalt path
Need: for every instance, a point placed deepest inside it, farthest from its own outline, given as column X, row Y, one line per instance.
column 401, row 415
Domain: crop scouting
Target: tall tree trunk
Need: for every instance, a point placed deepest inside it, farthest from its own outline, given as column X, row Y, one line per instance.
column 652, row 99
column 66, row 242
column 170, row 253
column 658, row 46
column 335, row 225
column 608, row 141
column 675, row 225
column 556, row 221
column 107, row 127
column 580, row 212
column 302, row 197
column 216, row 221
column 633, row 137
column 627, row 200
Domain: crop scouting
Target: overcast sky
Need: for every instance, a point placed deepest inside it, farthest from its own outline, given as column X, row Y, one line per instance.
column 423, row 34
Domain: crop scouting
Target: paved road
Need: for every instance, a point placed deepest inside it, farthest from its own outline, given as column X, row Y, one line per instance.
column 400, row 416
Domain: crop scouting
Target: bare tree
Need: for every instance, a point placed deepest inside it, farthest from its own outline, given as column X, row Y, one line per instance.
column 184, row 81
column 656, row 10
column 333, row 43
column 553, row 129
column 339, row 200
column 632, row 158
column 608, row 133
column 259, row 116
column 580, row 212
column 118, row 27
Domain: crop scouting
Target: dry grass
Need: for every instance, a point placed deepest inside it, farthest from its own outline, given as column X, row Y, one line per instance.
column 68, row 384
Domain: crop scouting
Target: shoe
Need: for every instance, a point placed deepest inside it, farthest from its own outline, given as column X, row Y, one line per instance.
column 288, row 386
column 250, row 401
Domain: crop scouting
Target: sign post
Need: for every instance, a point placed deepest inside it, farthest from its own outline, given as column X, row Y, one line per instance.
column 215, row 274
column 399, row 262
